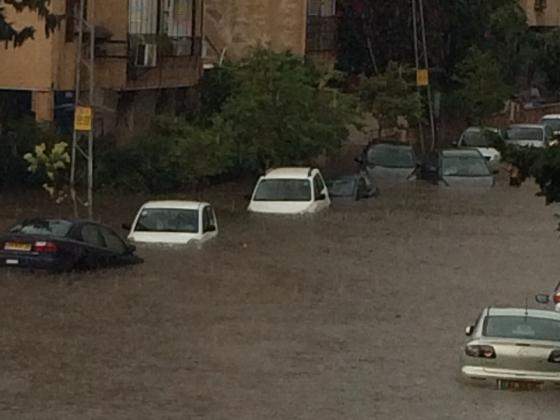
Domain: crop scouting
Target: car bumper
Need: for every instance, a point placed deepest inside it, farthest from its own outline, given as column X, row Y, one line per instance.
column 29, row 261
column 478, row 372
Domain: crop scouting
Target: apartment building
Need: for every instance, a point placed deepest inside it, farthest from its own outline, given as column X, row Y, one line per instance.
column 232, row 28
column 147, row 55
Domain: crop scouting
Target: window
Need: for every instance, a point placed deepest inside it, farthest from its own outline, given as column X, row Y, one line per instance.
column 168, row 220
column 208, row 220
column 318, row 186
column 58, row 228
column 283, row 190
column 92, row 236
column 113, row 242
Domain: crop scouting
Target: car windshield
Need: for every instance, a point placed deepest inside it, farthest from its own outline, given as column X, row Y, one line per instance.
column 283, row 190
column 479, row 138
column 520, row 327
column 524, row 133
column 43, row 227
column 168, row 220
column 391, row 156
column 465, row 166
column 342, row 187
column 553, row 123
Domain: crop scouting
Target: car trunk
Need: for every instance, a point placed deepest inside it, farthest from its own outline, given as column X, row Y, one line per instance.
column 519, row 354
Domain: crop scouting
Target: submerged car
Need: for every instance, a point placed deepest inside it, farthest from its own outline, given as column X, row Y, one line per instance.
column 553, row 121
column 529, row 135
column 458, row 168
column 63, row 245
column 290, row 191
column 173, row 223
column 485, row 140
column 513, row 347
column 354, row 187
column 388, row 164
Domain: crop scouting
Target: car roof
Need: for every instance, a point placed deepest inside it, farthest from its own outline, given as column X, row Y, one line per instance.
column 527, row 126
column 535, row 313
column 174, row 204
column 293, row 173
column 460, row 152
column 479, row 128
column 551, row 117
column 391, row 144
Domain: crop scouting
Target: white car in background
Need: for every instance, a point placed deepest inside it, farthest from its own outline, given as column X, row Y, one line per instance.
column 529, row 135
column 484, row 140
column 553, row 121
column 173, row 223
column 290, row 191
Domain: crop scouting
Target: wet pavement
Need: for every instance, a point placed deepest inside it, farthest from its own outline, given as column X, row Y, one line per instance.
column 357, row 313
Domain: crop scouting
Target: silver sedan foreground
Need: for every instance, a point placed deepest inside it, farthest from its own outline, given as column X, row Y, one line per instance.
column 514, row 348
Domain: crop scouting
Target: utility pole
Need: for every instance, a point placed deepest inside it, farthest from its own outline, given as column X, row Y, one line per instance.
column 423, row 69
column 82, row 154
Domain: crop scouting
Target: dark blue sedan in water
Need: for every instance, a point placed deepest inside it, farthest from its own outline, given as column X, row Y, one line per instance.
column 59, row 245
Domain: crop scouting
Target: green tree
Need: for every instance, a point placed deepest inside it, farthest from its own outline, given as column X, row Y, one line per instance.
column 482, row 90
column 17, row 36
column 389, row 96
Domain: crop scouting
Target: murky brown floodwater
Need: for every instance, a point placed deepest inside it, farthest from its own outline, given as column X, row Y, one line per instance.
column 357, row 313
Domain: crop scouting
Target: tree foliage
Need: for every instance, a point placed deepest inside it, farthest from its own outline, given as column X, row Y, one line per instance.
column 9, row 33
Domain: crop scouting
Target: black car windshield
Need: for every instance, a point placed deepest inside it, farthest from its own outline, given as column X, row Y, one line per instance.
column 480, row 138
column 43, row 227
column 391, row 156
column 553, row 123
column 465, row 166
column 168, row 220
column 522, row 327
column 342, row 187
column 283, row 190
column 524, row 133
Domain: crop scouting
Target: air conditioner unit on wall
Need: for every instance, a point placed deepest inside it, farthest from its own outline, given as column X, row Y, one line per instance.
column 146, row 55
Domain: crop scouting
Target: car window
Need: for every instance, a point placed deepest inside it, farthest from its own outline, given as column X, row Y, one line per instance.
column 520, row 327
column 167, row 220
column 391, row 156
column 58, row 228
column 284, row 189
column 362, row 186
column 318, row 186
column 207, row 218
column 92, row 236
column 112, row 241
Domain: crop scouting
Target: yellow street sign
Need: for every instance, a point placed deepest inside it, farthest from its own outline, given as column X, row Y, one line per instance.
column 83, row 118
column 422, row 77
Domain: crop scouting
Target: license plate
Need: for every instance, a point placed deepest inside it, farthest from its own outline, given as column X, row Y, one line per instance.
column 17, row 246
column 12, row 262
column 519, row 385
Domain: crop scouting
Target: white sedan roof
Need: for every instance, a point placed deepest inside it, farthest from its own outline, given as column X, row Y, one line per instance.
column 291, row 173
column 176, row 205
column 535, row 313
column 551, row 117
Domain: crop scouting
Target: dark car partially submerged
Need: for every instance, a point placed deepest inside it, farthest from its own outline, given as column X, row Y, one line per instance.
column 354, row 187
column 389, row 163
column 59, row 245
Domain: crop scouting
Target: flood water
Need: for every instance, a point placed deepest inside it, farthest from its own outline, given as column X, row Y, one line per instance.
column 357, row 313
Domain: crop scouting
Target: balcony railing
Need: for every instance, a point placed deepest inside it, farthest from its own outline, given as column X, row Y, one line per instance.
column 321, row 34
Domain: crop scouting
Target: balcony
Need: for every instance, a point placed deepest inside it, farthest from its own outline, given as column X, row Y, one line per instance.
column 321, row 34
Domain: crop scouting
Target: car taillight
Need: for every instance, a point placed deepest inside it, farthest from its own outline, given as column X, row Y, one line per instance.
column 554, row 357
column 556, row 297
column 45, row 247
column 486, row 352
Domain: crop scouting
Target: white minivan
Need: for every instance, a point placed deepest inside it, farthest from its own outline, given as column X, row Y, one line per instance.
column 290, row 191
column 173, row 223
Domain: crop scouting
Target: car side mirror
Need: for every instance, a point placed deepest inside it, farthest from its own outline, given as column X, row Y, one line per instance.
column 542, row 298
column 321, row 197
column 126, row 226
column 210, row 228
column 469, row 330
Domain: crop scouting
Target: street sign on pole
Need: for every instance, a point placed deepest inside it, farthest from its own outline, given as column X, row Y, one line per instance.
column 83, row 118
column 422, row 77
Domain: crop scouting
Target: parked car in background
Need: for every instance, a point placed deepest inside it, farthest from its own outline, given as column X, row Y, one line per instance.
column 515, row 348
column 457, row 168
column 290, row 191
column 485, row 140
column 59, row 245
column 529, row 135
column 354, row 187
column 173, row 223
column 553, row 121
column 388, row 164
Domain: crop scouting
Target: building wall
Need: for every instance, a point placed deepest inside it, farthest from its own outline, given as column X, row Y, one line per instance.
column 547, row 16
column 237, row 26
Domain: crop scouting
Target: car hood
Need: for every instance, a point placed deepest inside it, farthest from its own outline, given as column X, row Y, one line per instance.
column 384, row 176
column 280, row 207
column 163, row 238
column 489, row 153
column 468, row 181
column 526, row 143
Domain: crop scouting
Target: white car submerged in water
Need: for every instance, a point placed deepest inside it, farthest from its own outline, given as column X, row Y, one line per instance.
column 173, row 223
column 484, row 140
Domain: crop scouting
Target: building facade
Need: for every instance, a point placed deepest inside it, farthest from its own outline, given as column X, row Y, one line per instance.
column 542, row 13
column 232, row 28
column 147, row 54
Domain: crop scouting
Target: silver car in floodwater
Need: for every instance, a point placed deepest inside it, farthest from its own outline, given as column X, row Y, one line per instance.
column 513, row 348
column 464, row 168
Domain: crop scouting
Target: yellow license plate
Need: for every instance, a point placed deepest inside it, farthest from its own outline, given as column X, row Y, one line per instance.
column 17, row 246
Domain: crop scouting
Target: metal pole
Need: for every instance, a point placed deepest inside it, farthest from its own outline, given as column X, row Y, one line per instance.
column 427, row 66
column 91, row 20
column 417, row 63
